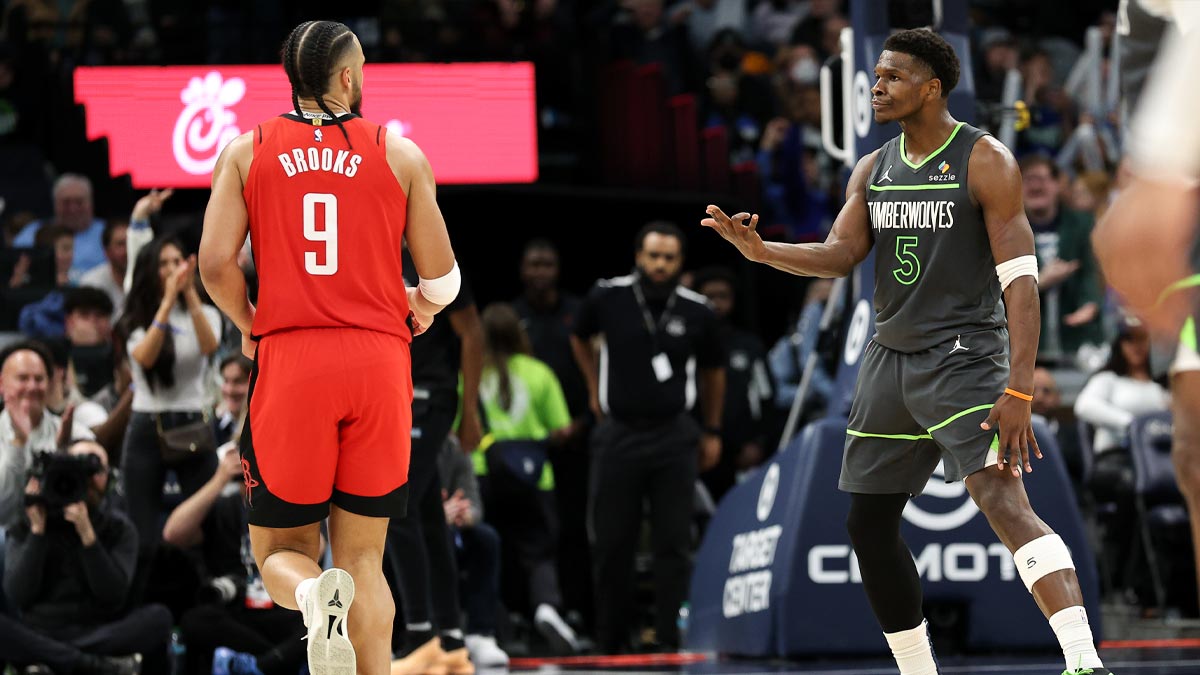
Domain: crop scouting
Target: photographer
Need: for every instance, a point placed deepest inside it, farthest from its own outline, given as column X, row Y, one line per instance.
column 69, row 568
column 26, row 426
column 235, row 617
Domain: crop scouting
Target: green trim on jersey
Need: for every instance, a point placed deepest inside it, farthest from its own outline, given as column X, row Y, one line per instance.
column 968, row 411
column 931, row 186
column 1189, row 282
column 898, row 437
column 929, row 434
column 1188, row 335
column 904, row 156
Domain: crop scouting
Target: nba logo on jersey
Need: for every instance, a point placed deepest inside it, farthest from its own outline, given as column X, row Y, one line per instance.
column 318, row 136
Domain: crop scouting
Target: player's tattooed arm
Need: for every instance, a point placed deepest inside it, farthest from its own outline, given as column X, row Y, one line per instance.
column 848, row 243
column 995, row 184
column 226, row 224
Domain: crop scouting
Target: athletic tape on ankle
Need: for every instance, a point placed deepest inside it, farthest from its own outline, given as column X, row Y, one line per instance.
column 1040, row 557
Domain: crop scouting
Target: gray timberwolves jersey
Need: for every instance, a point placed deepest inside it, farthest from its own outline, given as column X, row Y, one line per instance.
column 935, row 277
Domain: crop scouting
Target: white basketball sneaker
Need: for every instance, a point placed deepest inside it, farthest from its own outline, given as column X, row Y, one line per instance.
column 328, row 603
column 484, row 651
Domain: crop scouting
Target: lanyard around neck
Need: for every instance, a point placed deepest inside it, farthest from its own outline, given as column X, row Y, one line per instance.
column 651, row 325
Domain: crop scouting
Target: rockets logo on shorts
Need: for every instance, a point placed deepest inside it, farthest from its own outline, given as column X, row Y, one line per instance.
column 249, row 481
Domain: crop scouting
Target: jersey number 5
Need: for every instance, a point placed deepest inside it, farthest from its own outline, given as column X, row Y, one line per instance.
column 910, row 266
column 328, row 234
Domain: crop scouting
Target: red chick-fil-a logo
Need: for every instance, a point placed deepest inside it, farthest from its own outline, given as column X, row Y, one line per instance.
column 206, row 124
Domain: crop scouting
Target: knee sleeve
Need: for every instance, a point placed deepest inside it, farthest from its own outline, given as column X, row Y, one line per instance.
column 1041, row 557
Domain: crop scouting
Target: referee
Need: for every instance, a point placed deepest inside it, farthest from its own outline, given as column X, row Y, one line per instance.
column 655, row 338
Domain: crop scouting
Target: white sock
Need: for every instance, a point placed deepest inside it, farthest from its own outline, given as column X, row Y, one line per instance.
column 1075, row 635
column 302, row 589
column 913, row 651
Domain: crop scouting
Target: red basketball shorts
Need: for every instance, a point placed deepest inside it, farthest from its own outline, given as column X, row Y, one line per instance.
column 330, row 422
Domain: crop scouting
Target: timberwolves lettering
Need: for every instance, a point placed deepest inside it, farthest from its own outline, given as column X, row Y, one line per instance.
column 905, row 215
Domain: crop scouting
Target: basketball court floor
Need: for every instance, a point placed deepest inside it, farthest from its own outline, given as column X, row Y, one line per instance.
column 1140, row 657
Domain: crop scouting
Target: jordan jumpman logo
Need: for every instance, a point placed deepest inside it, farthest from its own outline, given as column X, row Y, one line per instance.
column 958, row 345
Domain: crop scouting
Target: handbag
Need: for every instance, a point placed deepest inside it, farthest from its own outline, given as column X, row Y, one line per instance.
column 521, row 460
column 190, row 439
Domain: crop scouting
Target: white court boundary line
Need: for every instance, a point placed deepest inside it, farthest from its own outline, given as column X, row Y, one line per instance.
column 1122, row 666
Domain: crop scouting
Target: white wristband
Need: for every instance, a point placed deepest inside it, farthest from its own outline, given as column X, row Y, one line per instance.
column 444, row 289
column 1009, row 270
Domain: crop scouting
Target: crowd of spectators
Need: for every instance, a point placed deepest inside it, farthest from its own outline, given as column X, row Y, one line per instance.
column 114, row 340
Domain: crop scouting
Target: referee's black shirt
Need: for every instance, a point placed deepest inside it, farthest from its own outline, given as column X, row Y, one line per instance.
column 688, row 334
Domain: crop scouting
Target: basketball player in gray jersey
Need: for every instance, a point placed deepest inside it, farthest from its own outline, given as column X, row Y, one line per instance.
column 941, row 204
column 1147, row 242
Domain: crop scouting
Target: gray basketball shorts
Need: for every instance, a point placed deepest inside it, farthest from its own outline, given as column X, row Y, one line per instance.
column 911, row 411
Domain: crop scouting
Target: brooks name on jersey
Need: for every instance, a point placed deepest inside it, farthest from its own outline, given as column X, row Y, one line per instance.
column 329, row 160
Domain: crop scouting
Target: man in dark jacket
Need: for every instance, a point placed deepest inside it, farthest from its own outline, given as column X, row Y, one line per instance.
column 68, row 573
column 1069, row 283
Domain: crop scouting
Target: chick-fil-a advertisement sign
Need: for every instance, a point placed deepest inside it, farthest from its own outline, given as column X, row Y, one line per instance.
column 166, row 126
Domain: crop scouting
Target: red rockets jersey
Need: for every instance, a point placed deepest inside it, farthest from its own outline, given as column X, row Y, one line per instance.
column 326, row 222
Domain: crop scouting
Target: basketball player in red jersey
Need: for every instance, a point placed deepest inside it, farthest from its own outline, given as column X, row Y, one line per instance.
column 327, row 197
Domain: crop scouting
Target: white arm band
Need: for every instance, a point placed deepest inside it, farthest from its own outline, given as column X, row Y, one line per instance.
column 1009, row 270
column 442, row 290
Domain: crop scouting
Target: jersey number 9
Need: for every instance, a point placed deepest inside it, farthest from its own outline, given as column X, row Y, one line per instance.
column 328, row 234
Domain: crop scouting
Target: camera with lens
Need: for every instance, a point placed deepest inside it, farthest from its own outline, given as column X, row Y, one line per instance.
column 62, row 479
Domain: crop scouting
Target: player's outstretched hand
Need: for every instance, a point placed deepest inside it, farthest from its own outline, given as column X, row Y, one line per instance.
column 1015, row 433
column 737, row 231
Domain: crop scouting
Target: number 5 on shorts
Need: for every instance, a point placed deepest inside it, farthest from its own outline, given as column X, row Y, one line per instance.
column 328, row 235
column 910, row 266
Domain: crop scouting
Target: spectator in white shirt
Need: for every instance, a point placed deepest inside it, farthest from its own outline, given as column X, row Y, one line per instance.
column 1122, row 390
column 170, row 336
column 1109, row 402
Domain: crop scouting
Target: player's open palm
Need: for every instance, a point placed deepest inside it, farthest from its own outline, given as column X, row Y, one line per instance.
column 1014, row 431
column 737, row 231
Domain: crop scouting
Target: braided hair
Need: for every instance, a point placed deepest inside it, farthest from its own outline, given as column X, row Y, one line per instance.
column 309, row 55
